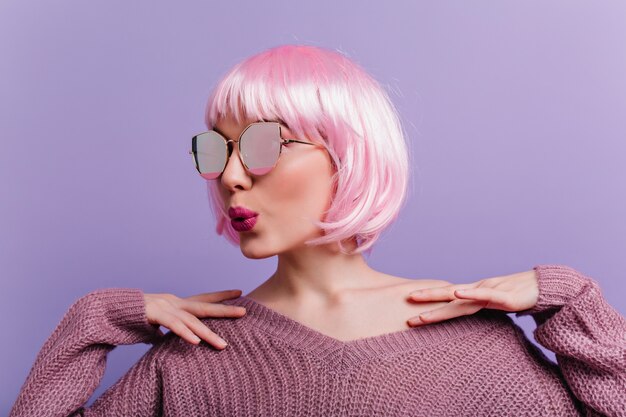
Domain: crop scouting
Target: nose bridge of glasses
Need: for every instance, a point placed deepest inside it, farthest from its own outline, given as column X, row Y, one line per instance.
column 230, row 147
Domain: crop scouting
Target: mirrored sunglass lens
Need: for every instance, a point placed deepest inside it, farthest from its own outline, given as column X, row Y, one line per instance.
column 210, row 154
column 260, row 147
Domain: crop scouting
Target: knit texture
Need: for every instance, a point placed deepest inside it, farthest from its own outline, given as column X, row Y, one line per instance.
column 476, row 365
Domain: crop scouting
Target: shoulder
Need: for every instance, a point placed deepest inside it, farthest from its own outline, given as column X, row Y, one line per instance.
column 398, row 288
column 392, row 299
column 417, row 283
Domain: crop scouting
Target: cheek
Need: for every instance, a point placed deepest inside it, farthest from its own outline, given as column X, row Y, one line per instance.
column 303, row 188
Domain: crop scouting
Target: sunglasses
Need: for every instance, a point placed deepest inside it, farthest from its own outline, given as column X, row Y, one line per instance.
column 260, row 146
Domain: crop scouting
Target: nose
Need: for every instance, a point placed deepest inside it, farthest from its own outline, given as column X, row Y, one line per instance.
column 235, row 175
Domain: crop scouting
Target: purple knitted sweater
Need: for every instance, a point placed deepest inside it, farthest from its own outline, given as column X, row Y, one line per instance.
column 477, row 365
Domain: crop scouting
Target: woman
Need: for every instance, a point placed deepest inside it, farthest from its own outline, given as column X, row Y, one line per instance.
column 305, row 159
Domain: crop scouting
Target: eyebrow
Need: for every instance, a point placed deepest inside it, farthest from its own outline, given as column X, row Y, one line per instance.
column 277, row 120
column 218, row 131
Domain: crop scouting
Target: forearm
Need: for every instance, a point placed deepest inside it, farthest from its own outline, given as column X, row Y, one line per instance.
column 72, row 361
column 587, row 335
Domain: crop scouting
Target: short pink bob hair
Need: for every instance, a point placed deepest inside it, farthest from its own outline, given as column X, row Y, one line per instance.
column 323, row 96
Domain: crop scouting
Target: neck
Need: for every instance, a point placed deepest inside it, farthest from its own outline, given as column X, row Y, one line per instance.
column 316, row 274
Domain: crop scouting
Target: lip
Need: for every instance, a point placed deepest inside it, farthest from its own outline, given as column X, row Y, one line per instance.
column 242, row 219
column 244, row 225
column 240, row 211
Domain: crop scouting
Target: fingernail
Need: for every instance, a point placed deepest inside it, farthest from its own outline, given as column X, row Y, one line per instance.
column 414, row 321
column 425, row 314
column 196, row 339
column 418, row 292
column 222, row 342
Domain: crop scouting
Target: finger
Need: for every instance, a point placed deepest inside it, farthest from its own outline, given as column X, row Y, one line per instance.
column 202, row 309
column 200, row 329
column 453, row 309
column 178, row 326
column 492, row 296
column 211, row 297
column 436, row 294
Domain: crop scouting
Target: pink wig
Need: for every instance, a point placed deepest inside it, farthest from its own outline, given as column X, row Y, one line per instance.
column 326, row 98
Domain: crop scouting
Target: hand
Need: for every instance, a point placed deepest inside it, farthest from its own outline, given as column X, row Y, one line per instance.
column 515, row 292
column 180, row 314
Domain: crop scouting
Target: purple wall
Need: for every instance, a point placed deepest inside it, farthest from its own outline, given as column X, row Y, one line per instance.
column 515, row 114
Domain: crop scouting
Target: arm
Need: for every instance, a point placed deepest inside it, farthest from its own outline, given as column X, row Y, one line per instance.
column 71, row 363
column 587, row 335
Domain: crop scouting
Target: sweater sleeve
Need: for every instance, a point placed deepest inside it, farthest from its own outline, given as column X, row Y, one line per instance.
column 71, row 363
column 587, row 335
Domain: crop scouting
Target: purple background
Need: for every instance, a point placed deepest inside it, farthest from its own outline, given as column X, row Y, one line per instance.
column 515, row 112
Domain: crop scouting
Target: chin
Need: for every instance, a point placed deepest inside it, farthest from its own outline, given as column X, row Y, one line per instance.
column 255, row 251
column 257, row 255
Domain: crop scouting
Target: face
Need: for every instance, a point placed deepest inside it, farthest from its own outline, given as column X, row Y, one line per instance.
column 298, row 188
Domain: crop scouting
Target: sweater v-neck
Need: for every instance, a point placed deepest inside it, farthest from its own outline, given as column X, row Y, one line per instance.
column 303, row 337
